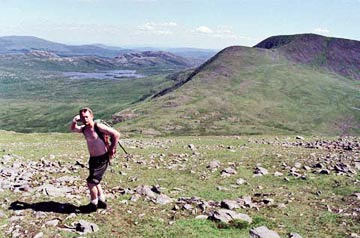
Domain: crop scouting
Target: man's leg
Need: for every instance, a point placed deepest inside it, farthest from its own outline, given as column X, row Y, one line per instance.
column 100, row 193
column 101, row 197
column 93, row 205
column 93, row 192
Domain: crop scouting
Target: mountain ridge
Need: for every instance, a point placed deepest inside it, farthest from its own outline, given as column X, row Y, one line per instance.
column 251, row 90
column 339, row 55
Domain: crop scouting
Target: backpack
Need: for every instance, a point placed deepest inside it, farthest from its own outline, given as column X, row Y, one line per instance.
column 105, row 137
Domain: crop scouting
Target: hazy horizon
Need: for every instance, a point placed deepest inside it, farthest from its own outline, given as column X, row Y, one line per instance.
column 199, row 24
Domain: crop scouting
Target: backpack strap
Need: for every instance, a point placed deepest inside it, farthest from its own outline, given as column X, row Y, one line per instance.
column 97, row 130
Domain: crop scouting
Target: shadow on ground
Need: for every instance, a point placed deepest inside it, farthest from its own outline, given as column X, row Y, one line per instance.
column 49, row 206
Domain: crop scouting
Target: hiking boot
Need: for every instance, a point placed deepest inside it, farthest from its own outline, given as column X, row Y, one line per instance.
column 102, row 205
column 91, row 207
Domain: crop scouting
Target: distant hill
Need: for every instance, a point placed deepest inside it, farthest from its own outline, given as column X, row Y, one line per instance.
column 152, row 58
column 152, row 62
column 341, row 56
column 195, row 55
column 24, row 44
column 245, row 90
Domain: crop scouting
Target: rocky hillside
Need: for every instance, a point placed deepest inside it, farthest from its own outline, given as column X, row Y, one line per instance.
column 243, row 186
column 341, row 56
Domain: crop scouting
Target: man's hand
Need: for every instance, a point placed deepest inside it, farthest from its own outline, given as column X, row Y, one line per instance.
column 112, row 152
column 74, row 127
column 76, row 118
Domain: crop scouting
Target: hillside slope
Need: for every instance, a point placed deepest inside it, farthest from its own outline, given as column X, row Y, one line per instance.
column 252, row 91
column 341, row 56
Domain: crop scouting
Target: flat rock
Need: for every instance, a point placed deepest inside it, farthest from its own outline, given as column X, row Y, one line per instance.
column 187, row 207
column 225, row 215
column 259, row 171
column 229, row 204
column 53, row 191
column 163, row 199
column 240, row 181
column 68, row 179
column 135, row 197
column 145, row 190
column 263, row 232
column 213, row 165
column 202, row 217
column 52, row 223
column 229, row 170
column 278, row 174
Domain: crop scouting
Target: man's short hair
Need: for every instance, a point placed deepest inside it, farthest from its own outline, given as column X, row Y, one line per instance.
column 86, row 109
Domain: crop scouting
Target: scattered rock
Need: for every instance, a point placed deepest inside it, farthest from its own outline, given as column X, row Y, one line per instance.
column 278, row 174
column 84, row 227
column 268, row 201
column 240, row 181
column 356, row 195
column 281, row 206
column 260, row 171
column 263, row 232
column 2, row 214
column 228, row 171
column 294, row 235
column 52, row 223
column 192, row 147
column 213, row 165
column 135, row 197
column 202, row 217
column 221, row 188
column 324, row 171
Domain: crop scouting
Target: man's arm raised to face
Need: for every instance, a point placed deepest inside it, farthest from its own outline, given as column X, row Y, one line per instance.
column 74, row 127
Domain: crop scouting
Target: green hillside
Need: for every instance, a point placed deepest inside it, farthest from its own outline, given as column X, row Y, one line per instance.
column 45, row 101
column 253, row 91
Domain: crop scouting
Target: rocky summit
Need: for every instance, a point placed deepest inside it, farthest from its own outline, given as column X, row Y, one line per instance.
column 268, row 187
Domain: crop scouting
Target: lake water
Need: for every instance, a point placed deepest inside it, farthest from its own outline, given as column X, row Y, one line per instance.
column 110, row 74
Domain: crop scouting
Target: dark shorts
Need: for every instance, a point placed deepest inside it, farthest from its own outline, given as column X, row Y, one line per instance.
column 97, row 168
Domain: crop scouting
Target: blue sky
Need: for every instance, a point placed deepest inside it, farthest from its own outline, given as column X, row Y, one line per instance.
column 177, row 23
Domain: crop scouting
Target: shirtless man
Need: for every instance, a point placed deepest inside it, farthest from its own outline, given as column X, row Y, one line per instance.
column 100, row 155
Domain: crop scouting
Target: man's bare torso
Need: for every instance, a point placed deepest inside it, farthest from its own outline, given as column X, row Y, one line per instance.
column 95, row 144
